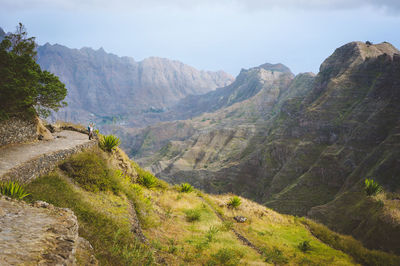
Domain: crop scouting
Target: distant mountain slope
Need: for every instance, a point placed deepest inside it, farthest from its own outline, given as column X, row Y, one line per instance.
column 303, row 147
column 102, row 86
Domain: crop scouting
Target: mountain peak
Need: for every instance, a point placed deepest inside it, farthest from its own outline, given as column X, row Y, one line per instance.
column 275, row 67
column 355, row 53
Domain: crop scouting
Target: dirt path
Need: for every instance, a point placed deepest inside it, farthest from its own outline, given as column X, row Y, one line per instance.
column 16, row 155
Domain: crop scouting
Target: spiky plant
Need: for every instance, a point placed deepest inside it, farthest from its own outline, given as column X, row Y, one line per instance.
column 186, row 188
column 234, row 202
column 13, row 190
column 109, row 142
column 371, row 187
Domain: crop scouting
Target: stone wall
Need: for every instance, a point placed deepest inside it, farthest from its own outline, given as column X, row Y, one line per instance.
column 17, row 130
column 43, row 164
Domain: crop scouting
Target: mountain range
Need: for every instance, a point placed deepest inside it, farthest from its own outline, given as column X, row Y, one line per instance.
column 301, row 144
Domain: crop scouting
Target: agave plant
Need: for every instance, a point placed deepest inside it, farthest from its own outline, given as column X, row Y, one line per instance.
column 371, row 187
column 109, row 142
column 13, row 190
column 234, row 202
column 186, row 188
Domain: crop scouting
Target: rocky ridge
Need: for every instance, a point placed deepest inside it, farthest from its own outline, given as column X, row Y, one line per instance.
column 104, row 87
column 319, row 139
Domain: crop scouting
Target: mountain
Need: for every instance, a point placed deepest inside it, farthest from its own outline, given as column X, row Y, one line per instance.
column 103, row 87
column 302, row 146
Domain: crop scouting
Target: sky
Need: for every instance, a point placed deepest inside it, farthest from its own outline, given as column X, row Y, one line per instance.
column 209, row 34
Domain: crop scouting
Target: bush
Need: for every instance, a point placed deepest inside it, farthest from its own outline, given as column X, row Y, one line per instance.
column 371, row 187
column 13, row 190
column 304, row 246
column 276, row 256
column 146, row 179
column 192, row 215
column 225, row 256
column 109, row 142
column 234, row 202
column 90, row 171
column 211, row 232
column 185, row 188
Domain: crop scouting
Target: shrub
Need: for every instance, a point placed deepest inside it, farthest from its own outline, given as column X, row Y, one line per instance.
column 192, row 215
column 276, row 256
column 304, row 246
column 109, row 142
column 13, row 190
column 225, row 256
column 146, row 179
column 186, row 188
column 371, row 187
column 211, row 232
column 234, row 202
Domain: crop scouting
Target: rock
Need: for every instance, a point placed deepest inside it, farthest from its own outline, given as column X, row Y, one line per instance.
column 240, row 219
column 39, row 235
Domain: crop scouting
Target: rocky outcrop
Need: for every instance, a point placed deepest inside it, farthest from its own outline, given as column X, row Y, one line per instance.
column 103, row 86
column 39, row 234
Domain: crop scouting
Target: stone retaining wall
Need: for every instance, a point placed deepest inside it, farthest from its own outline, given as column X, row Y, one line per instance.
column 17, row 130
column 43, row 164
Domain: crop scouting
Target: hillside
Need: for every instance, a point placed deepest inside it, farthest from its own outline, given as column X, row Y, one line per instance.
column 103, row 87
column 302, row 147
column 132, row 218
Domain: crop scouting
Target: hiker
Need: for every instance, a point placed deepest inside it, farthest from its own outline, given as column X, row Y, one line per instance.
column 90, row 130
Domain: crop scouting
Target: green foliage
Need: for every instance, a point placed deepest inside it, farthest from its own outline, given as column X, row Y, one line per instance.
column 371, row 187
column 350, row 246
column 24, row 87
column 276, row 256
column 225, row 256
column 304, row 246
column 109, row 142
column 211, row 232
column 113, row 241
column 147, row 179
column 13, row 190
column 90, row 170
column 234, row 202
column 185, row 188
column 193, row 215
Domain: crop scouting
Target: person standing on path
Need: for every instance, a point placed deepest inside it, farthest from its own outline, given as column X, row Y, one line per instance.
column 90, row 130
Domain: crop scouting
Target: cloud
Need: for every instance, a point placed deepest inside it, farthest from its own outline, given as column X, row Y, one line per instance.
column 129, row 5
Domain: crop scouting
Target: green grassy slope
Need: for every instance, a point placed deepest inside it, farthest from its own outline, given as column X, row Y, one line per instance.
column 181, row 228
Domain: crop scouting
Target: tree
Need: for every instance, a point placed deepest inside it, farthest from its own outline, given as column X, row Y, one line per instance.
column 24, row 88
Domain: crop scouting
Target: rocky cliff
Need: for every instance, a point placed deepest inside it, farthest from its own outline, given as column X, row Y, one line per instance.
column 103, row 87
column 317, row 139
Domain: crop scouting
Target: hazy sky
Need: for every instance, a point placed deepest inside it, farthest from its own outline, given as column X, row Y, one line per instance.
column 210, row 34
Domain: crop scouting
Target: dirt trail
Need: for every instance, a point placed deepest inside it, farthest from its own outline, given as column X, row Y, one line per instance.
column 16, row 155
